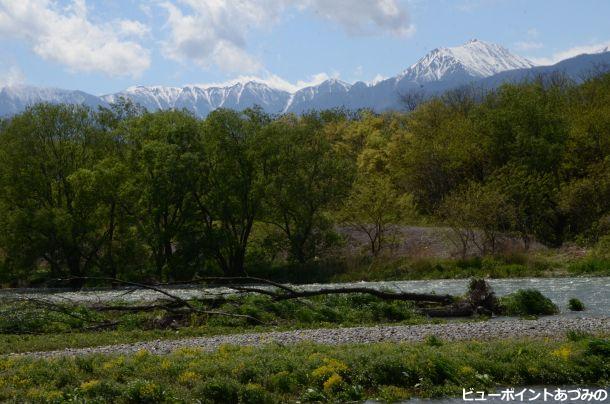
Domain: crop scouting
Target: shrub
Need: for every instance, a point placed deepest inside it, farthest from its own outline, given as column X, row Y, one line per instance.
column 144, row 391
column 600, row 347
column 433, row 340
column 527, row 302
column 393, row 394
column 576, row 305
column 577, row 335
column 219, row 390
column 590, row 266
column 255, row 394
column 601, row 250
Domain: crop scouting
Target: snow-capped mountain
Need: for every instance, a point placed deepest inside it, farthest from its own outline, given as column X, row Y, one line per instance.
column 473, row 59
column 14, row 99
column 202, row 100
column 442, row 69
column 329, row 94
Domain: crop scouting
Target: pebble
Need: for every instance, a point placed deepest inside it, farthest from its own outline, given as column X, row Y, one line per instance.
column 454, row 331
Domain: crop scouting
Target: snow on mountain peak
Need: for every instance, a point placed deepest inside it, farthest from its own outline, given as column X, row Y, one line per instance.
column 475, row 58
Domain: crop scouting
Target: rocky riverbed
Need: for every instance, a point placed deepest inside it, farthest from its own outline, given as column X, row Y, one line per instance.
column 485, row 330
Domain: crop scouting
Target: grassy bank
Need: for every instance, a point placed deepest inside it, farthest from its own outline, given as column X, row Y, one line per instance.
column 309, row 372
column 354, row 269
column 27, row 327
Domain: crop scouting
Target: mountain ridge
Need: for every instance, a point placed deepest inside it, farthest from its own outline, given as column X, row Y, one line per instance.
column 439, row 70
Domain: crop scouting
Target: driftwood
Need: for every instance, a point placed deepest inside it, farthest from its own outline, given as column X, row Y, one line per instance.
column 286, row 292
column 479, row 300
column 178, row 305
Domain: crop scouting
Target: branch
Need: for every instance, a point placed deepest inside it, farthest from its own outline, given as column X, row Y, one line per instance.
column 291, row 293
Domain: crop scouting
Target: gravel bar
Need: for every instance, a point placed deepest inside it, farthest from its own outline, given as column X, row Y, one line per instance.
column 455, row 331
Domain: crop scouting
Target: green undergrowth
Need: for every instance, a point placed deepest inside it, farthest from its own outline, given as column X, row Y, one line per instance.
column 25, row 326
column 527, row 302
column 388, row 269
column 308, row 373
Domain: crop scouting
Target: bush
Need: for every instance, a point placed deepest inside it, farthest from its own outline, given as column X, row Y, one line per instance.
column 591, row 266
column 577, row 335
column 255, row 394
column 576, row 305
column 601, row 250
column 433, row 340
column 219, row 390
column 144, row 391
column 600, row 347
column 527, row 302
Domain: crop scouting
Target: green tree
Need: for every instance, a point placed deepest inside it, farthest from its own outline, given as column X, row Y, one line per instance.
column 374, row 207
column 478, row 214
column 48, row 215
column 231, row 184
column 163, row 150
column 306, row 179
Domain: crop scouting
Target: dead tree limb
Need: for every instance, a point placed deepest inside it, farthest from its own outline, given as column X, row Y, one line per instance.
column 287, row 292
column 179, row 302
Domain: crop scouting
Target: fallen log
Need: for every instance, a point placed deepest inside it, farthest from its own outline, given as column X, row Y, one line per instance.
column 286, row 292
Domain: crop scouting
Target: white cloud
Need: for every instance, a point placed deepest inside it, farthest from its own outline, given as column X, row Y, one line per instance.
column 68, row 36
column 362, row 17
column 528, row 45
column 133, row 28
column 214, row 32
column 272, row 81
column 571, row 52
column 11, row 75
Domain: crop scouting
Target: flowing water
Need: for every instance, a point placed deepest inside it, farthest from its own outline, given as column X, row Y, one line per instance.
column 593, row 292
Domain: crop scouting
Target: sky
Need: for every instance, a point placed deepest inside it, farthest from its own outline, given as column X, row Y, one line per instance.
column 105, row 46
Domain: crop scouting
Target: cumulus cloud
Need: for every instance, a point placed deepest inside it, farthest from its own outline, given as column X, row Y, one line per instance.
column 273, row 81
column 362, row 17
column 214, row 32
column 571, row 52
column 68, row 36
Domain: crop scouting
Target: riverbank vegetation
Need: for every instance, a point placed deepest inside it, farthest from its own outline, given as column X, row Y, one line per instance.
column 164, row 196
column 39, row 323
column 310, row 373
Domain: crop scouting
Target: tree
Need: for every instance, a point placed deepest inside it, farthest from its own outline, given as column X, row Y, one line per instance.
column 163, row 148
column 306, row 178
column 47, row 214
column 439, row 150
column 477, row 214
column 374, row 207
column 231, row 184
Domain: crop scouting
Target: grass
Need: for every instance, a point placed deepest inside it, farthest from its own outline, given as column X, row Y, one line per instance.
column 390, row 269
column 536, row 265
column 25, row 327
column 590, row 267
column 308, row 373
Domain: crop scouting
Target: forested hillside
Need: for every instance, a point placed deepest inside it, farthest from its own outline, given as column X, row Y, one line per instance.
column 123, row 193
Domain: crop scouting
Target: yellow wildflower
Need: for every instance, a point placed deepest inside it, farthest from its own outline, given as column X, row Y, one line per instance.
column 188, row 378
column 90, row 385
column 331, row 366
column 564, row 352
column 141, row 354
column 333, row 382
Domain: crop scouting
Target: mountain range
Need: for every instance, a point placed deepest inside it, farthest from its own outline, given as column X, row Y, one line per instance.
column 476, row 62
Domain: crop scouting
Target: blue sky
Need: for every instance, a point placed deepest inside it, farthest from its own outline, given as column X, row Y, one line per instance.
column 104, row 46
